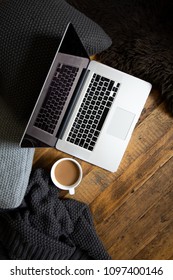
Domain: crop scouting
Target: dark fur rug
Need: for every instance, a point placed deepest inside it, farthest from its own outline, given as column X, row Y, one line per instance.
column 142, row 35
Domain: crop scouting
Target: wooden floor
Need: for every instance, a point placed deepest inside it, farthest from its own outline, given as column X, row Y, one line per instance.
column 132, row 208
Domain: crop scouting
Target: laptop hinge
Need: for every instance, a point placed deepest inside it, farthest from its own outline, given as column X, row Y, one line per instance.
column 72, row 103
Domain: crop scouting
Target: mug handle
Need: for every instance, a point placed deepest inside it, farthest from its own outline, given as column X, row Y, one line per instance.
column 72, row 191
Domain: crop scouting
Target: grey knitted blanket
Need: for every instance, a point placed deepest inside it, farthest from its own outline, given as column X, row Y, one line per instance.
column 48, row 227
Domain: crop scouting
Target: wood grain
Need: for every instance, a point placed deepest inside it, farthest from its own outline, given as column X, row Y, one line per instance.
column 132, row 208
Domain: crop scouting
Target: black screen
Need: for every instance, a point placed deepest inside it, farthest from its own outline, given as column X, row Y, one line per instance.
column 72, row 45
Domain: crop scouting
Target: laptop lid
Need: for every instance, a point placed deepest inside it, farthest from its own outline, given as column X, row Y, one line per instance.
column 70, row 51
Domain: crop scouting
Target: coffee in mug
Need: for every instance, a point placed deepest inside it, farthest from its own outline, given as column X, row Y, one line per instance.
column 66, row 174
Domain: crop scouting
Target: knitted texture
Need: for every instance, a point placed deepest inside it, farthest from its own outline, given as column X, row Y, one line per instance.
column 30, row 32
column 15, row 163
column 47, row 227
column 30, row 35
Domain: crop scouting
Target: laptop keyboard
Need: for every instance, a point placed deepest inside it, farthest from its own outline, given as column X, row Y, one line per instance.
column 56, row 97
column 93, row 111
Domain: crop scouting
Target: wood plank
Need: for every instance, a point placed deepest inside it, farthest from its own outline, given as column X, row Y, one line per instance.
column 138, row 219
column 160, row 247
column 142, row 158
column 136, row 237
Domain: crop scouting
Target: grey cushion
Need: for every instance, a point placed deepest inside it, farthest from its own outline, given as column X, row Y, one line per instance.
column 30, row 32
column 30, row 40
column 15, row 163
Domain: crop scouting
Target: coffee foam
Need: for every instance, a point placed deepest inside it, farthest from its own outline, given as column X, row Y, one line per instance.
column 67, row 173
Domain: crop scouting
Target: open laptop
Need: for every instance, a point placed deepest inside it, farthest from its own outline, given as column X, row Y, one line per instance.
column 85, row 108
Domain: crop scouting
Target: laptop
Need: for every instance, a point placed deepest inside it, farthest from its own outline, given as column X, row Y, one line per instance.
column 85, row 108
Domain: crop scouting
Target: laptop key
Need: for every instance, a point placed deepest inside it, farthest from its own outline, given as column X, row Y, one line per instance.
column 86, row 145
column 103, row 117
column 97, row 77
column 81, row 142
column 111, row 85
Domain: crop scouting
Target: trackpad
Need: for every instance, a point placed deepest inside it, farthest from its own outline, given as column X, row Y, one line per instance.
column 120, row 123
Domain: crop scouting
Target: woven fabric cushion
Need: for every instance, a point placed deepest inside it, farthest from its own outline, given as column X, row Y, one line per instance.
column 30, row 32
column 15, row 163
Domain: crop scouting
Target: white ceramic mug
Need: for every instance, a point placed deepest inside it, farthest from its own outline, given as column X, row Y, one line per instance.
column 70, row 188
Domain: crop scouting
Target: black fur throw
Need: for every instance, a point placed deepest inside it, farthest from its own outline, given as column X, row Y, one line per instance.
column 142, row 34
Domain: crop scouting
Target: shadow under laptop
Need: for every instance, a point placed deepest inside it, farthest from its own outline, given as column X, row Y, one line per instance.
column 31, row 142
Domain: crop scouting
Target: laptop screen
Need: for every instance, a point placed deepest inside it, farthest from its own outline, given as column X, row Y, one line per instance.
column 71, row 44
column 58, row 91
